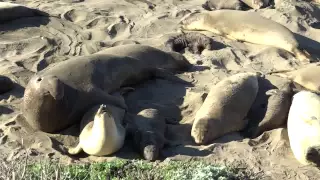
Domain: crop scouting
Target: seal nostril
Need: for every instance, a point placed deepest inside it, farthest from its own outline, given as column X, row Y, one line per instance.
column 39, row 79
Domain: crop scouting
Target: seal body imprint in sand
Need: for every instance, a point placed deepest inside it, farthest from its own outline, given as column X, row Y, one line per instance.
column 147, row 130
column 253, row 28
column 304, row 127
column 59, row 95
column 225, row 108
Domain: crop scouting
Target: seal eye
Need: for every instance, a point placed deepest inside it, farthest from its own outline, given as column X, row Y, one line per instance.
column 39, row 79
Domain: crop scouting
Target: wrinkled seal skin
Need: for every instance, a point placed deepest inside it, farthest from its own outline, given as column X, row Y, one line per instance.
column 225, row 4
column 12, row 11
column 147, row 129
column 304, row 128
column 59, row 95
column 225, row 108
column 196, row 42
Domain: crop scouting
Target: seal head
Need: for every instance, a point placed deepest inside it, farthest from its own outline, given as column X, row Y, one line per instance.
column 200, row 131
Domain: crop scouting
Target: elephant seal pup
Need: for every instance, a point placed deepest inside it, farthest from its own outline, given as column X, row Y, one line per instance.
column 304, row 127
column 225, row 108
column 277, row 110
column 196, row 42
column 226, row 4
column 102, row 132
column 256, row 4
column 59, row 95
column 306, row 77
column 147, row 129
column 11, row 11
column 254, row 29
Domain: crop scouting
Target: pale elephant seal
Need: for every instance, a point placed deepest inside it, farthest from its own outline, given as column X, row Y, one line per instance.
column 305, row 78
column 147, row 130
column 256, row 4
column 277, row 110
column 225, row 108
column 304, row 127
column 11, row 11
column 102, row 132
column 225, row 4
column 59, row 95
column 253, row 28
column 196, row 42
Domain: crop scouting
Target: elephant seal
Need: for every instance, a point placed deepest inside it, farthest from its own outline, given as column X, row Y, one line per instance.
column 304, row 127
column 11, row 11
column 256, row 4
column 226, row 4
column 196, row 42
column 59, row 95
column 254, row 29
column 102, row 132
column 277, row 110
column 225, row 108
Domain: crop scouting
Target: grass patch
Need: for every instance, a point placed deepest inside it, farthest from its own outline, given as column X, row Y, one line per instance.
column 122, row 169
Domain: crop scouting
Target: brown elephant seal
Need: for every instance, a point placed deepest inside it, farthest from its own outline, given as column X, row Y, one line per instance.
column 254, row 29
column 256, row 4
column 226, row 4
column 6, row 84
column 147, row 130
column 102, row 132
column 11, row 11
column 305, row 78
column 59, row 95
column 225, row 108
column 194, row 41
column 304, row 128
column 276, row 110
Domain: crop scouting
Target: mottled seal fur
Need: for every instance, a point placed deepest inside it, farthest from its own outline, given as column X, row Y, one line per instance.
column 254, row 29
column 196, row 42
column 304, row 127
column 147, row 129
column 225, row 4
column 305, row 77
column 277, row 109
column 59, row 95
column 256, row 4
column 225, row 108
column 12, row 11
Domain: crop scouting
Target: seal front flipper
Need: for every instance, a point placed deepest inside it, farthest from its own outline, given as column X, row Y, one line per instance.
column 165, row 74
column 75, row 150
column 109, row 99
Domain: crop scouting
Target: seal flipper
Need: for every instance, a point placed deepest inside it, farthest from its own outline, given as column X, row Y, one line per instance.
column 109, row 99
column 164, row 74
column 75, row 150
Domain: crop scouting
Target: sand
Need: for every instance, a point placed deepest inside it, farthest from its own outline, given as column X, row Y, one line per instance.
column 81, row 27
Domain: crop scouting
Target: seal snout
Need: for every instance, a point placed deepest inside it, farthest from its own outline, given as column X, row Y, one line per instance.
column 151, row 152
column 313, row 155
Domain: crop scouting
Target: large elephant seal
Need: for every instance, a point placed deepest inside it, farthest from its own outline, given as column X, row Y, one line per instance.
column 102, row 132
column 305, row 77
column 11, row 11
column 254, row 29
column 225, row 108
column 277, row 109
column 147, row 130
column 59, row 95
column 304, row 127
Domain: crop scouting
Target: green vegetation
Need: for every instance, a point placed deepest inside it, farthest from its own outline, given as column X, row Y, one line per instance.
column 123, row 169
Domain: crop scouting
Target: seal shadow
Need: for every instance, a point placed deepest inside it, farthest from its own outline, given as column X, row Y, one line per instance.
column 310, row 45
column 34, row 21
column 16, row 91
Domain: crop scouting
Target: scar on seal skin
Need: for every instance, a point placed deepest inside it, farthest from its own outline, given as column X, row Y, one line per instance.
column 196, row 42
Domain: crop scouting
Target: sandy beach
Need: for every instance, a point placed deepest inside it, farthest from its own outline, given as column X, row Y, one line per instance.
column 82, row 27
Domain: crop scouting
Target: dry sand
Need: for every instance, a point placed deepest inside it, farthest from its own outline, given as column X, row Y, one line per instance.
column 80, row 27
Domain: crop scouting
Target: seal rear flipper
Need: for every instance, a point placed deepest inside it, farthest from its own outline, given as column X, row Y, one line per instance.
column 165, row 74
column 75, row 150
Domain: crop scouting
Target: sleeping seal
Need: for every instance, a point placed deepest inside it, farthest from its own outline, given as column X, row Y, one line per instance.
column 253, row 28
column 225, row 108
column 304, row 127
column 59, row 95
